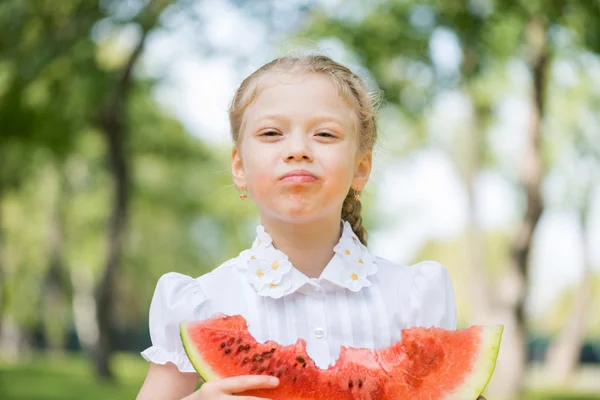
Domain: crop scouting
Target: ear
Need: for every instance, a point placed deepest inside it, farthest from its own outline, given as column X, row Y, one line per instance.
column 362, row 170
column 237, row 168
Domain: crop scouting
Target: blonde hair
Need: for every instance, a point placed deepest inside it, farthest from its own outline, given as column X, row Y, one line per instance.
column 349, row 84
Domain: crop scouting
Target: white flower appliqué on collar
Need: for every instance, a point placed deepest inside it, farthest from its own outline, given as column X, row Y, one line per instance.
column 358, row 261
column 271, row 273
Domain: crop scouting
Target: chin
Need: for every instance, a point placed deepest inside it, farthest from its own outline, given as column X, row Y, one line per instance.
column 297, row 214
column 300, row 208
column 303, row 214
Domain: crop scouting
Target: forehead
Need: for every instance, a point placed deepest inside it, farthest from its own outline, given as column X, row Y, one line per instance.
column 300, row 96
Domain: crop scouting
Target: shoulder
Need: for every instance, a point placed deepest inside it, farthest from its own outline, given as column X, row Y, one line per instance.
column 424, row 272
column 225, row 276
column 422, row 292
column 177, row 297
column 173, row 286
column 430, row 273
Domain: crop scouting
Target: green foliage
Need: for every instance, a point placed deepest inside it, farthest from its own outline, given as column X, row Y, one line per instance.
column 44, row 100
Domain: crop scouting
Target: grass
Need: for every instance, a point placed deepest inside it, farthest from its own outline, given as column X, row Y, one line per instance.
column 70, row 378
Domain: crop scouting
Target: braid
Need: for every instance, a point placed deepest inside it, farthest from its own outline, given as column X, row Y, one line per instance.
column 351, row 213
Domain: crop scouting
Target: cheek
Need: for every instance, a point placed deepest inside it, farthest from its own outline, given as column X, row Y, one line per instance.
column 258, row 165
column 339, row 166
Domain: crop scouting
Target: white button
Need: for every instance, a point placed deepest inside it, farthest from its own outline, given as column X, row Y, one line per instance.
column 319, row 332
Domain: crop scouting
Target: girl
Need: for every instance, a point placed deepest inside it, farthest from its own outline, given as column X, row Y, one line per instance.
column 304, row 130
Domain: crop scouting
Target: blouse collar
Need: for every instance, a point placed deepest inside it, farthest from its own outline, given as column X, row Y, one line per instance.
column 271, row 274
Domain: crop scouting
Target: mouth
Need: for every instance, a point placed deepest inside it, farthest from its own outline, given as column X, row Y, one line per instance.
column 299, row 176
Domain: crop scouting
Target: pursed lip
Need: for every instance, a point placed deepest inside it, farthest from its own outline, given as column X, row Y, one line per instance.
column 300, row 175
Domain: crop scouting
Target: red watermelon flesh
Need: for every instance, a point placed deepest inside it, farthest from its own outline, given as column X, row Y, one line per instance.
column 427, row 364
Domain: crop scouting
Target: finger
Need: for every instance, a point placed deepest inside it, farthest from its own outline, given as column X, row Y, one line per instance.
column 239, row 384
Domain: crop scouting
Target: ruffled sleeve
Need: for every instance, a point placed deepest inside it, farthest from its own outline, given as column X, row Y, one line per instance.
column 176, row 298
column 432, row 296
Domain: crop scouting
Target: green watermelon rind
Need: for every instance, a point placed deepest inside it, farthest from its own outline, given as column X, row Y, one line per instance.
column 476, row 383
column 473, row 386
column 201, row 366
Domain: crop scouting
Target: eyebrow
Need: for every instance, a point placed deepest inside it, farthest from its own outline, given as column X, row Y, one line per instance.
column 314, row 120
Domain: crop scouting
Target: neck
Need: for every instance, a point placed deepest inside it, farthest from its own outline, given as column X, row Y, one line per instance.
column 309, row 246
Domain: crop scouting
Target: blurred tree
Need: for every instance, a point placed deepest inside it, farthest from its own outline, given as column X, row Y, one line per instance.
column 578, row 164
column 563, row 354
column 59, row 51
column 111, row 121
column 39, row 109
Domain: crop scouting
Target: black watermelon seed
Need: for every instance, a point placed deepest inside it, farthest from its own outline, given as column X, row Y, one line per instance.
column 240, row 349
column 360, row 383
column 261, row 369
column 303, row 365
column 300, row 360
column 350, row 384
column 223, row 345
column 246, row 360
column 247, row 347
column 273, row 350
column 239, row 340
column 257, row 358
column 227, row 351
column 267, row 354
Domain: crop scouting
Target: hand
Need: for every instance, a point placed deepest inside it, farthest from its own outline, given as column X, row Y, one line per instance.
column 228, row 387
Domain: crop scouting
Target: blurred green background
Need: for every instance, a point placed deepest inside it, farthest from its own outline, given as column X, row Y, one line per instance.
column 114, row 169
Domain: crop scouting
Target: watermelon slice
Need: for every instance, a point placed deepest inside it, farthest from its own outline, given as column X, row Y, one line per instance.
column 427, row 364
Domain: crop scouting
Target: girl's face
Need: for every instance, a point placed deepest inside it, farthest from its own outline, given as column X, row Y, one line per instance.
column 298, row 153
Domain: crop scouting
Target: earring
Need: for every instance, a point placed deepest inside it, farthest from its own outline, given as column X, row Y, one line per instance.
column 357, row 195
column 244, row 193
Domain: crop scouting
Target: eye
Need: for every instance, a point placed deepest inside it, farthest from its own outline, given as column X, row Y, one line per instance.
column 270, row 133
column 326, row 134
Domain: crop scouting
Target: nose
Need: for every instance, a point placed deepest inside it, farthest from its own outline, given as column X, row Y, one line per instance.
column 298, row 148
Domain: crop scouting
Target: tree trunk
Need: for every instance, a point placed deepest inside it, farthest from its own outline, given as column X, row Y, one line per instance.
column 478, row 279
column 563, row 354
column 510, row 369
column 468, row 160
column 112, row 125
column 113, row 130
column 104, row 291
column 3, row 293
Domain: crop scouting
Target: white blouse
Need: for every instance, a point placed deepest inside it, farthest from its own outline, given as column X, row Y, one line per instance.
column 359, row 300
